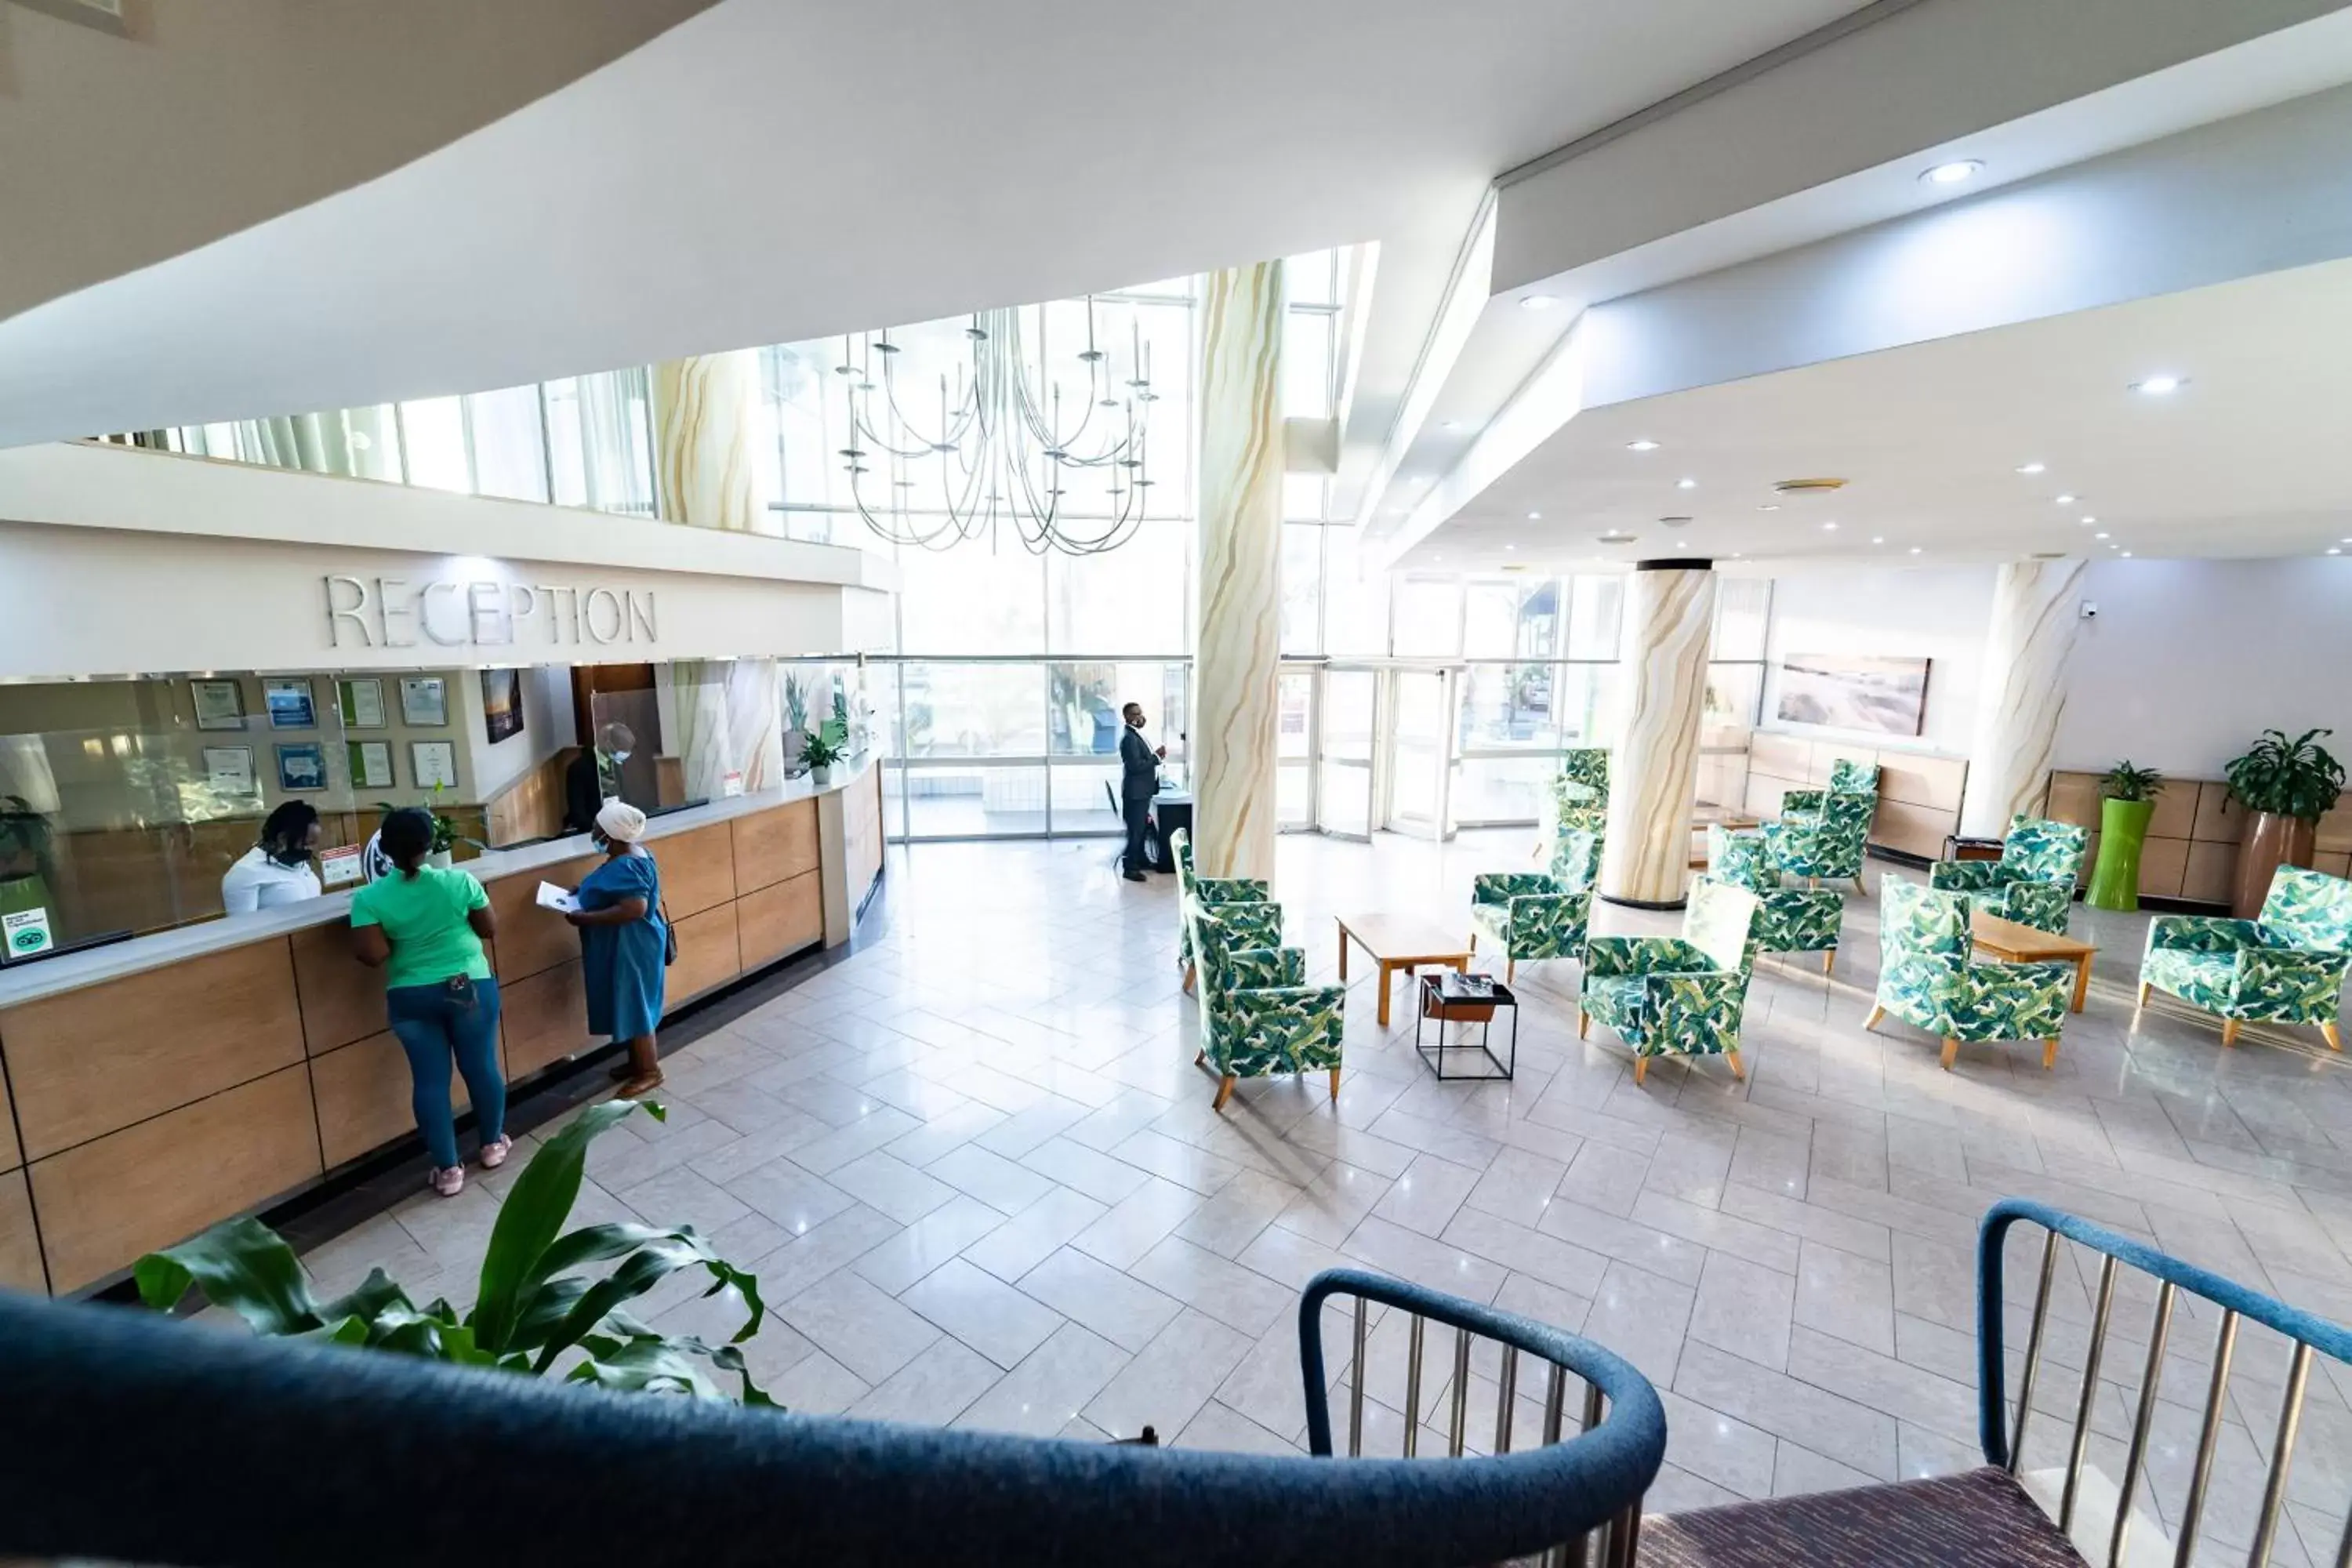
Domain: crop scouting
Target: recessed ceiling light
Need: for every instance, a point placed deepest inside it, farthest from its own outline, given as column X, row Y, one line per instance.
column 1878, row 539
column 2331, row 550
column 1642, row 445
column 1915, row 550
column 1685, row 544
column 2030, row 467
column 1686, row 484
column 2101, row 534
column 1537, row 302
column 1534, row 517
column 1953, row 173
column 1829, row 527
column 2065, row 500
column 1768, row 506
column 2089, row 521
column 2126, row 554
column 2159, row 386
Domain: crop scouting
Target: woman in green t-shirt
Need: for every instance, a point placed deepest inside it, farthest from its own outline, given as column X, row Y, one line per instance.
column 425, row 925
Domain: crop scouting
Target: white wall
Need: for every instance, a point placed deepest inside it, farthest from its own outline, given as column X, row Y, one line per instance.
column 547, row 727
column 1939, row 614
column 2187, row 661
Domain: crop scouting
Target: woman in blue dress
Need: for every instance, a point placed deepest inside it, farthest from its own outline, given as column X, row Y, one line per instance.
column 623, row 944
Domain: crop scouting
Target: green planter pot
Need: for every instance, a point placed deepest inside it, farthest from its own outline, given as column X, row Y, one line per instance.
column 2123, row 831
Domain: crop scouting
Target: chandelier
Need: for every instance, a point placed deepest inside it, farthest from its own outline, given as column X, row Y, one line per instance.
column 1060, row 457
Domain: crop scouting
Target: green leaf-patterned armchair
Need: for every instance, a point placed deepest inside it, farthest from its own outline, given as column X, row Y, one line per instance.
column 2032, row 883
column 1258, row 1015
column 1211, row 891
column 1820, row 833
column 2287, row 967
column 1788, row 919
column 1929, row 977
column 1578, row 803
column 1675, row 995
column 1536, row 914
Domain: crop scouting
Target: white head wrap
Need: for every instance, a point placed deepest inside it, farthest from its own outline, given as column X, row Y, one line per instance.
column 622, row 823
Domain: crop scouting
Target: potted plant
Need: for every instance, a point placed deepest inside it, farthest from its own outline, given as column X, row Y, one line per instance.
column 445, row 837
column 795, row 717
column 2288, row 785
column 820, row 752
column 2126, row 800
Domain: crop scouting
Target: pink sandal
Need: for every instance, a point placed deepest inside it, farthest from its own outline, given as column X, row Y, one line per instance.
column 495, row 1151
column 449, row 1182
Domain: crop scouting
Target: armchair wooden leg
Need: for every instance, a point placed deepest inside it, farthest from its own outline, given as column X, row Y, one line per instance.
column 1829, row 961
column 1583, row 1024
column 1877, row 1013
column 1199, row 1057
column 1641, row 1069
column 2334, row 1036
column 1224, row 1092
column 1951, row 1053
column 2144, row 989
column 1733, row 1058
column 1510, row 969
column 1334, row 1083
column 1860, row 885
column 2050, row 1053
column 1188, row 979
column 2230, row 1028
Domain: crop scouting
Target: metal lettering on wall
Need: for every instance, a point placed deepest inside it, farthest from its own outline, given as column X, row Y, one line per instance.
column 392, row 612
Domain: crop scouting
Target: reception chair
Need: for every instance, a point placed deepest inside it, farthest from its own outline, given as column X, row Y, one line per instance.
column 1537, row 915
column 1258, row 1015
column 1578, row 803
column 1681, row 995
column 1788, row 919
column 1820, row 833
column 1929, row 978
column 2286, row 967
column 2032, row 883
column 1211, row 891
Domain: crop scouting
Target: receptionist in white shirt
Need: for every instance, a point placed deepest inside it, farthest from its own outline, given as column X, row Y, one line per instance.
column 278, row 869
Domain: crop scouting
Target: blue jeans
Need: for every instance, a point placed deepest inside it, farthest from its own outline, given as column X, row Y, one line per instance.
column 433, row 1025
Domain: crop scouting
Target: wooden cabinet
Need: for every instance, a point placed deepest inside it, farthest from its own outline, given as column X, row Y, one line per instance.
column 20, row 1244
column 780, row 919
column 708, row 956
column 698, row 869
column 531, row 939
column 774, row 846
column 363, row 1096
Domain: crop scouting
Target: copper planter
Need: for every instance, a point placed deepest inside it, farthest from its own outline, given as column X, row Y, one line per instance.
column 2272, row 841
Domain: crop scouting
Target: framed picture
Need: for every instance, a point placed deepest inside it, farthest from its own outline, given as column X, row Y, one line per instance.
column 502, row 704
column 423, row 701
column 370, row 765
column 362, row 703
column 230, row 770
column 433, row 763
column 288, row 703
column 1854, row 692
column 302, row 767
column 220, row 704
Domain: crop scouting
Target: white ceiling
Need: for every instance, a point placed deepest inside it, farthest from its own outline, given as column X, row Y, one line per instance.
column 2248, row 458
column 774, row 170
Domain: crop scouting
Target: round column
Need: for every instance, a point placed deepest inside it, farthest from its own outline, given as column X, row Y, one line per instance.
column 2024, row 693
column 1669, row 616
column 707, row 442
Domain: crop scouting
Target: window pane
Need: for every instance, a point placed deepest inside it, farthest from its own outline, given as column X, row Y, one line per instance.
column 1595, row 604
column 1308, row 279
column 509, row 458
column 1294, row 806
column 1508, row 705
column 974, row 710
column 1348, row 697
column 971, row 600
column 1303, row 497
column 962, row 803
column 1355, row 609
column 1085, row 797
column 435, row 428
column 1741, row 607
column 1306, row 365
column 1428, row 617
column 597, row 441
column 1302, row 588
column 1294, row 725
column 1344, row 799
column 1501, row 789
column 1087, row 698
column 1585, row 704
column 1128, row 600
column 1734, row 694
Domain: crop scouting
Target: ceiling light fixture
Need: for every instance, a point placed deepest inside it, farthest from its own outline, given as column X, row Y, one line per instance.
column 1878, row 539
column 2064, row 501
column 1829, row 528
column 2126, row 554
column 1768, row 506
column 2099, row 535
column 1686, row 484
column 1954, row 172
column 1641, row 445
column 2331, row 550
column 1537, row 302
column 2088, row 522
column 2159, row 386
column 2030, row 467
column 1915, row 550
column 1685, row 544
column 1534, row 517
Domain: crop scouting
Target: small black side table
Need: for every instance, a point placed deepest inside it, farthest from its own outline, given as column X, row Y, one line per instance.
column 1449, row 997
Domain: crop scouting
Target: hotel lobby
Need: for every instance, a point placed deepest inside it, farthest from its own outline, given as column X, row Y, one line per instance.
column 1565, row 790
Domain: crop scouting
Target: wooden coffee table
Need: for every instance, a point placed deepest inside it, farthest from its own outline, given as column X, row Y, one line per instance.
column 1400, row 941
column 2025, row 944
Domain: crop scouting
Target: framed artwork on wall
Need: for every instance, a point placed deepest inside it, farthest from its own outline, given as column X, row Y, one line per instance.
column 502, row 704
column 433, row 764
column 363, row 703
column 302, row 767
column 288, row 699
column 220, row 704
column 1854, row 692
column 371, row 765
column 423, row 701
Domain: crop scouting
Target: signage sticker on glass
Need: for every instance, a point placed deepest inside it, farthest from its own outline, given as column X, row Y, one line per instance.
column 340, row 867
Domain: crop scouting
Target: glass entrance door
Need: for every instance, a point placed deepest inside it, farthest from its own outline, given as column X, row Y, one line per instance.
column 1344, row 750
column 1422, row 705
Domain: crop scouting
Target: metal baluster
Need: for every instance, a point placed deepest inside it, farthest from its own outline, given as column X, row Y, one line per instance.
column 2033, row 1349
column 2090, row 1394
column 2225, row 1344
column 1356, row 1387
column 1509, row 1397
column 2298, row 1373
column 1412, row 1387
column 1591, row 1405
column 1457, row 1425
column 2156, row 1335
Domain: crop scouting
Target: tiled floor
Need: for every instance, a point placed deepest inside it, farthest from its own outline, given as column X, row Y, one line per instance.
column 977, row 1176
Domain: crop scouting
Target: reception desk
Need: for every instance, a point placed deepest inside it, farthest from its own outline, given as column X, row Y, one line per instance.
column 160, row 1085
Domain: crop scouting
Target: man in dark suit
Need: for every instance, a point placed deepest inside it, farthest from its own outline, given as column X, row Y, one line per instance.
column 612, row 767
column 1140, row 782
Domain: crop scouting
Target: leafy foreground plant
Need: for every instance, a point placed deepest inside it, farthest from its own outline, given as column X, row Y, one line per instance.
column 529, row 1309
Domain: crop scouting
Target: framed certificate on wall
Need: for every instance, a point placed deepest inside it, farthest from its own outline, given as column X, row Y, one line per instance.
column 220, row 704
column 423, row 701
column 289, row 703
column 302, row 767
column 433, row 763
column 362, row 703
column 229, row 771
column 370, row 765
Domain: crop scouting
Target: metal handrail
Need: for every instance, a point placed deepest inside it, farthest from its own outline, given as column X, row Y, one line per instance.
column 132, row 1438
column 2003, row 1440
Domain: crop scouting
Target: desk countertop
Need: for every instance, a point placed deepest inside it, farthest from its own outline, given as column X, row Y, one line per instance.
column 50, row 977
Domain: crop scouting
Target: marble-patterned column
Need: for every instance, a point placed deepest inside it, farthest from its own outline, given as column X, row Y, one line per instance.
column 2022, row 694
column 1669, row 616
column 1237, row 642
column 707, row 442
column 722, row 717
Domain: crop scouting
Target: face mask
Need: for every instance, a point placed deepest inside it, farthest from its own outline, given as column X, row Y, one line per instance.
column 621, row 756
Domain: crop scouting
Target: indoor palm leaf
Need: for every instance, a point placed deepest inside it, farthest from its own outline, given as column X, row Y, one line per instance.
column 531, row 1306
